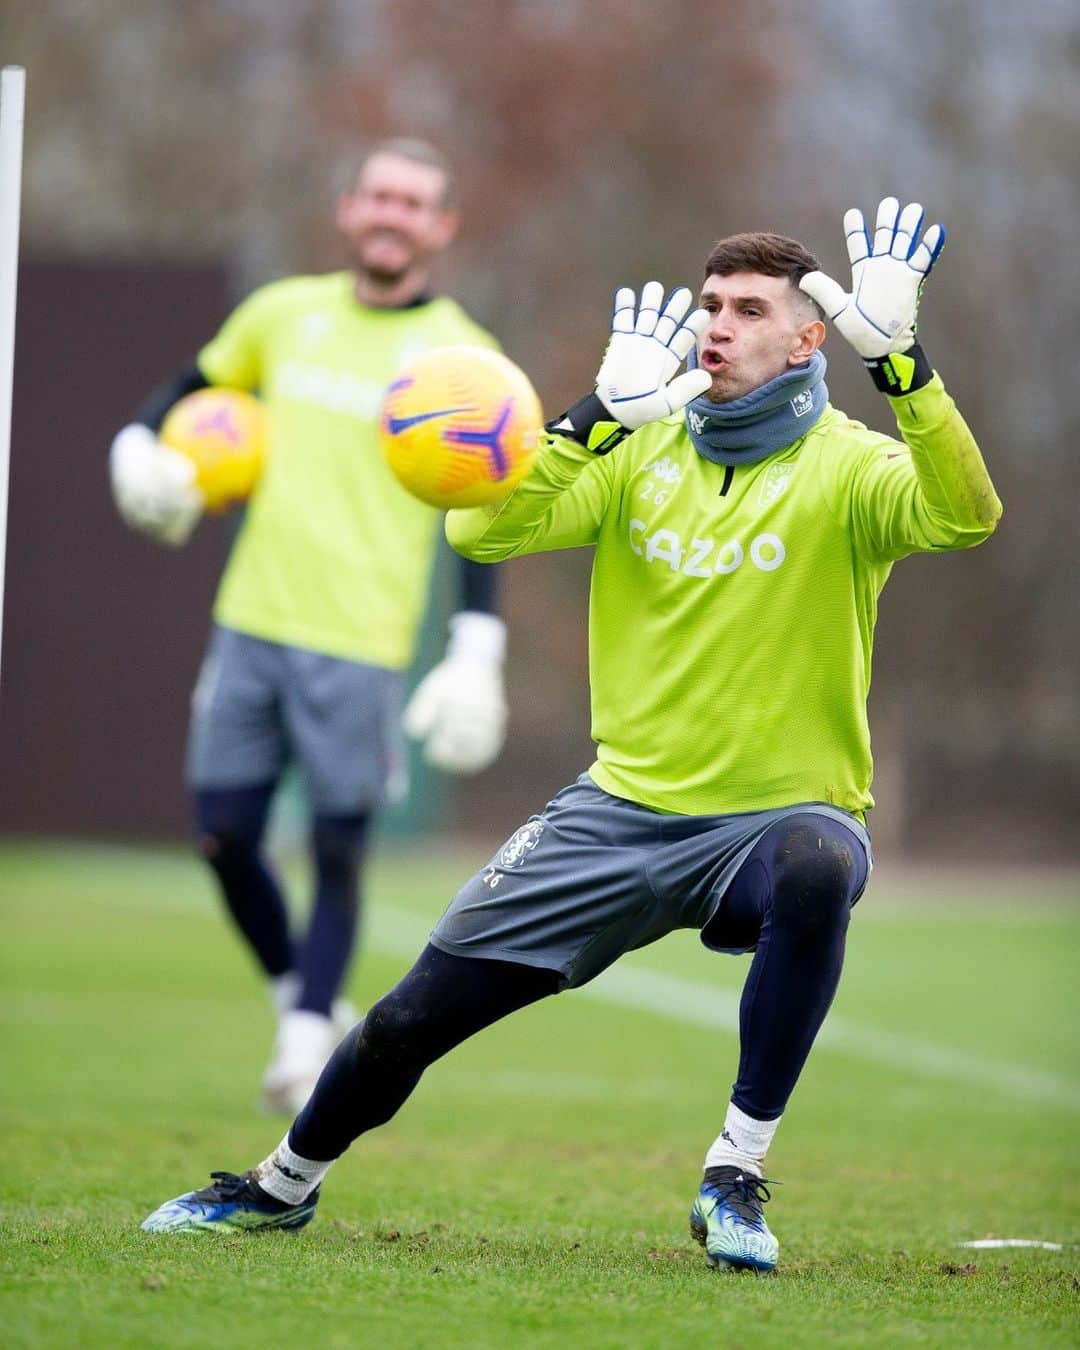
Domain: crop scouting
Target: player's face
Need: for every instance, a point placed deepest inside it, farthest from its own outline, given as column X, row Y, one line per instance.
column 395, row 218
column 758, row 327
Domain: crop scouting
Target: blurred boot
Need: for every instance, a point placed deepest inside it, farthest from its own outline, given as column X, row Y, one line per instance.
column 304, row 1043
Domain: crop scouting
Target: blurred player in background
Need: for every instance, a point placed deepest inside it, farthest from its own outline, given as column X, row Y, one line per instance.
column 318, row 611
column 743, row 530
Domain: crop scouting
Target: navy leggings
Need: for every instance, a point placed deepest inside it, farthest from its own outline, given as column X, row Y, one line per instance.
column 790, row 900
column 231, row 823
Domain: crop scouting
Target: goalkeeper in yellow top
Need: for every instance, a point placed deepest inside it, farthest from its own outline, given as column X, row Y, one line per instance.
column 317, row 614
column 743, row 529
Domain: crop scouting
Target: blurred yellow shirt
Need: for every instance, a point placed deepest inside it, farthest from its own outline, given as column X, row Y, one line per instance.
column 333, row 554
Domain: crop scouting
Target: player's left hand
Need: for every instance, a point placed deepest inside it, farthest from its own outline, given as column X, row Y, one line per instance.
column 649, row 341
column 878, row 315
column 459, row 708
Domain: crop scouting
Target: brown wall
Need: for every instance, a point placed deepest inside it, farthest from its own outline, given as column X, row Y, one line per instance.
column 104, row 630
column 94, row 613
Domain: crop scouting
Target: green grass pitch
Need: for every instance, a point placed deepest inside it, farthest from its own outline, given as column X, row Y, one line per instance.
column 535, row 1189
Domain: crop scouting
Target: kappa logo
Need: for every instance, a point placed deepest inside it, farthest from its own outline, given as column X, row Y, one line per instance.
column 775, row 483
column 520, row 844
column 664, row 477
column 666, row 470
column 697, row 422
column 314, row 326
column 802, row 403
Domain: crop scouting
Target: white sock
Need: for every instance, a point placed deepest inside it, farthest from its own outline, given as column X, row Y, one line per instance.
column 284, row 991
column 288, row 1177
column 743, row 1142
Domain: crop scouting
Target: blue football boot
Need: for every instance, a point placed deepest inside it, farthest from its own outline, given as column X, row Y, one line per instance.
column 726, row 1218
column 231, row 1204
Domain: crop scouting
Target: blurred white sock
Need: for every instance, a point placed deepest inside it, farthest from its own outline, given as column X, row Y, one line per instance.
column 304, row 1043
column 284, row 991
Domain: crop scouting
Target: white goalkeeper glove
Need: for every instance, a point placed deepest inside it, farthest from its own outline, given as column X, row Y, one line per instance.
column 878, row 315
column 459, row 708
column 153, row 487
column 637, row 382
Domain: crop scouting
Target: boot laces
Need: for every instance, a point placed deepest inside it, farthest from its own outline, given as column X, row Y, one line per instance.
column 226, row 1186
column 742, row 1192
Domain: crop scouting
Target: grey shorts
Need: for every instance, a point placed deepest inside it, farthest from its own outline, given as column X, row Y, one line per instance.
column 595, row 876
column 259, row 706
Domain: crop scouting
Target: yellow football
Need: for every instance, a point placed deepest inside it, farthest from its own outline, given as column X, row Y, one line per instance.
column 459, row 426
column 224, row 433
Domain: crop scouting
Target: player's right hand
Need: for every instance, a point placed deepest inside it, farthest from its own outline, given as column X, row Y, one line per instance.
column 153, row 487
column 888, row 272
column 649, row 341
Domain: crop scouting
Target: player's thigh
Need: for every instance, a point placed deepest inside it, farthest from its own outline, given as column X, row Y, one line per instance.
column 236, row 736
column 342, row 719
column 567, row 891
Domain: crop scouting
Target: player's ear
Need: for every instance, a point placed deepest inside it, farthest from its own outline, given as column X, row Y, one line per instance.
column 346, row 204
column 446, row 226
column 810, row 337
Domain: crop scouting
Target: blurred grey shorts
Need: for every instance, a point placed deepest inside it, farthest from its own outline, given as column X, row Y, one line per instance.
column 595, row 876
column 259, row 706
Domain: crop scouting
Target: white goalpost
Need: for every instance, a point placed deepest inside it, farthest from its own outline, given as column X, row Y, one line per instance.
column 12, row 96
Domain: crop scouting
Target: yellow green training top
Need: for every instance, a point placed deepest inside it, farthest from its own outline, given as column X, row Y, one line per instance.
column 333, row 554
column 732, row 612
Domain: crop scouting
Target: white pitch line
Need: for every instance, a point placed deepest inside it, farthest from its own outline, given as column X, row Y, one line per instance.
column 400, row 933
column 638, row 989
column 705, row 1006
column 990, row 1244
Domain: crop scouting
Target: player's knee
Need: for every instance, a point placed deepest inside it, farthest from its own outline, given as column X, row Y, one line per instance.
column 229, row 824
column 814, row 876
column 338, row 844
column 396, row 1030
column 224, row 848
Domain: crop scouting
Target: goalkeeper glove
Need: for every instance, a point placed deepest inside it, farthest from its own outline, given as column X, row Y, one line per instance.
column 878, row 315
column 637, row 381
column 153, row 487
column 459, row 708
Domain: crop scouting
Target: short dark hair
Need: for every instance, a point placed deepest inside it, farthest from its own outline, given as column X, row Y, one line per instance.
column 770, row 255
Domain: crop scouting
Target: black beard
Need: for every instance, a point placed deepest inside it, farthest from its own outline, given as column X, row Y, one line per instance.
column 380, row 276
